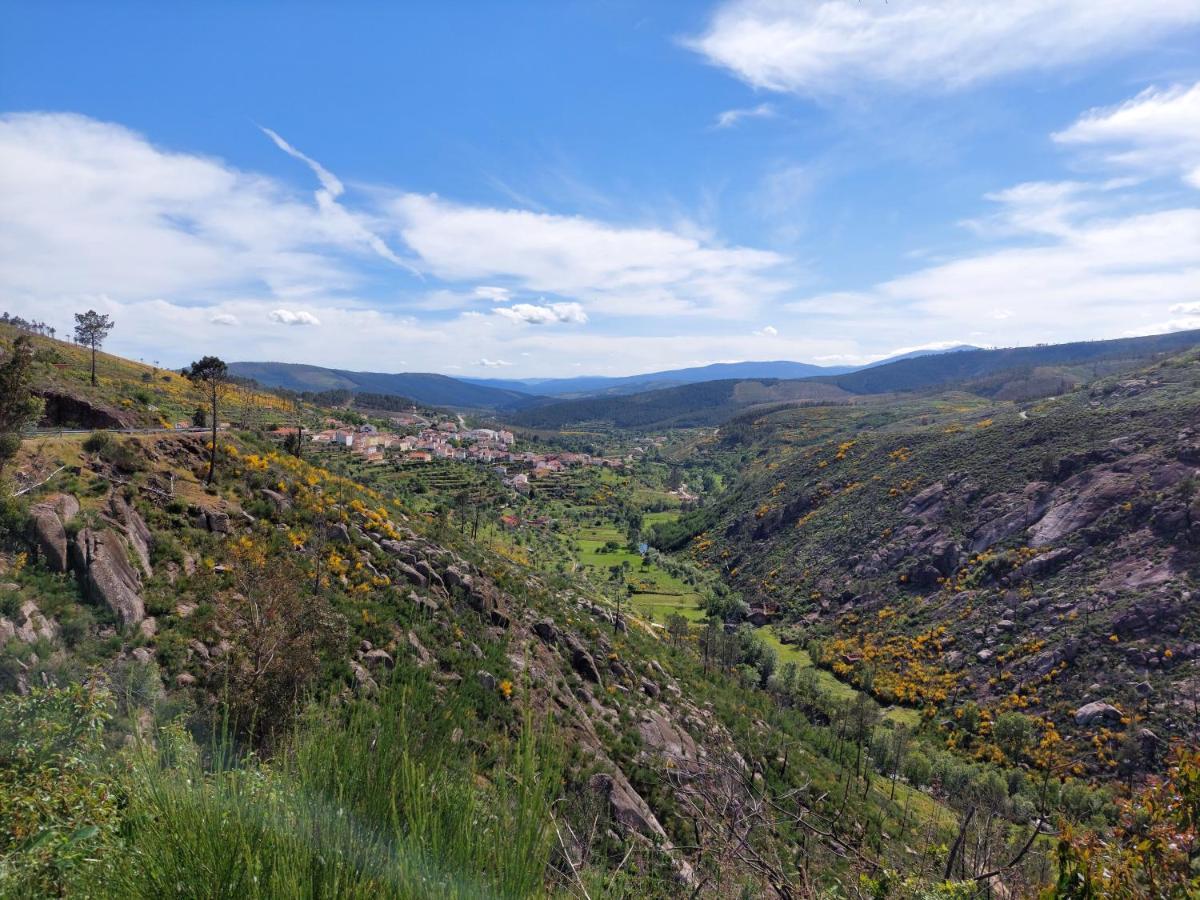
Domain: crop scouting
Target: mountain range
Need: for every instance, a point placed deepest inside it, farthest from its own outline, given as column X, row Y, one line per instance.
column 709, row 394
column 512, row 394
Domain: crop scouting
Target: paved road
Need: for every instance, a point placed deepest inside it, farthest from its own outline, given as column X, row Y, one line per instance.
column 30, row 435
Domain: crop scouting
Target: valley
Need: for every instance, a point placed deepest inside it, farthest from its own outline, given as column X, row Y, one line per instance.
column 813, row 648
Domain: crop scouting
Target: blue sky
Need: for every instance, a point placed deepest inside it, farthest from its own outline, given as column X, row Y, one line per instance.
column 538, row 189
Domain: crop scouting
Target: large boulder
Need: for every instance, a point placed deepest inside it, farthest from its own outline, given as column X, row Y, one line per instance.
column 102, row 562
column 1096, row 712
column 137, row 534
column 660, row 734
column 280, row 502
column 49, row 520
column 581, row 660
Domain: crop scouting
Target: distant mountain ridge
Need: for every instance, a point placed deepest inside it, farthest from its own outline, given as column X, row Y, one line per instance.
column 1042, row 369
column 514, row 394
column 428, row 388
column 599, row 385
column 708, row 394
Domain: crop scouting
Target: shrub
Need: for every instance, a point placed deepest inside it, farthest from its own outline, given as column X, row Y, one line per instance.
column 58, row 806
column 97, row 441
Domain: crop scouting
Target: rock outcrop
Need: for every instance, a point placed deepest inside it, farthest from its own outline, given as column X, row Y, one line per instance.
column 137, row 534
column 103, row 564
column 28, row 626
column 49, row 520
column 1096, row 712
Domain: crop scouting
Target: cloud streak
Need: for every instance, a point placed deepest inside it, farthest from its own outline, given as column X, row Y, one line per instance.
column 731, row 117
column 327, row 202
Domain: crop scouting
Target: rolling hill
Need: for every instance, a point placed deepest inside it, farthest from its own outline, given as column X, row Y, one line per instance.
column 706, row 403
column 1014, row 374
column 428, row 388
column 967, row 365
column 597, row 385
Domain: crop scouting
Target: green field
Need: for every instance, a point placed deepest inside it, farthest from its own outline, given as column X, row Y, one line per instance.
column 656, row 595
column 794, row 653
column 901, row 715
column 654, row 518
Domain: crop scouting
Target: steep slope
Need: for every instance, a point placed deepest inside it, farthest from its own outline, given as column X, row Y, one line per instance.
column 216, row 607
column 128, row 394
column 435, row 390
column 1039, row 559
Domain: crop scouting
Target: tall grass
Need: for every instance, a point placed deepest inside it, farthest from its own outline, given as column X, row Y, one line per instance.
column 374, row 801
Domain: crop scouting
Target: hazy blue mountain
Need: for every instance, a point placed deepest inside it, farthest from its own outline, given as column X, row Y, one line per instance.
column 600, row 385
column 997, row 373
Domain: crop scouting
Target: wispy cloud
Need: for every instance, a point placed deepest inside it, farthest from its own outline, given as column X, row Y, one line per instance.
column 731, row 117
column 330, row 182
column 493, row 363
column 224, row 319
column 327, row 201
column 1157, row 132
column 767, row 331
column 490, row 292
column 832, row 45
column 642, row 271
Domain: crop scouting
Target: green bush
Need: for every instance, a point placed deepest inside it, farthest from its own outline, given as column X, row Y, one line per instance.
column 58, row 804
column 97, row 441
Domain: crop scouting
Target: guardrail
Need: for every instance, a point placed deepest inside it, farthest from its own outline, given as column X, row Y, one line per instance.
column 27, row 433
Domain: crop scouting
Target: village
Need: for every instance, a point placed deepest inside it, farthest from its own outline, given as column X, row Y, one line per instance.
column 450, row 440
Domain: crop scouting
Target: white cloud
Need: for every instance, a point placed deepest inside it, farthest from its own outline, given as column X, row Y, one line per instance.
column 224, row 319
column 619, row 270
column 767, row 331
column 731, row 117
column 1186, row 309
column 1156, row 132
column 490, row 292
column 1037, row 207
column 859, row 359
column 492, row 363
column 550, row 314
column 829, row 46
column 1099, row 278
column 293, row 317
column 89, row 207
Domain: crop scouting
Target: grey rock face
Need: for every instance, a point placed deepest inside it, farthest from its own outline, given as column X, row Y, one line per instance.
column 49, row 520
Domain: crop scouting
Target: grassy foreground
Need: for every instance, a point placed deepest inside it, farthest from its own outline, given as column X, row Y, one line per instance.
column 365, row 801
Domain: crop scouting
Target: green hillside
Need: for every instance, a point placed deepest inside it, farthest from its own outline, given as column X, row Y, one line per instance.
column 350, row 678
